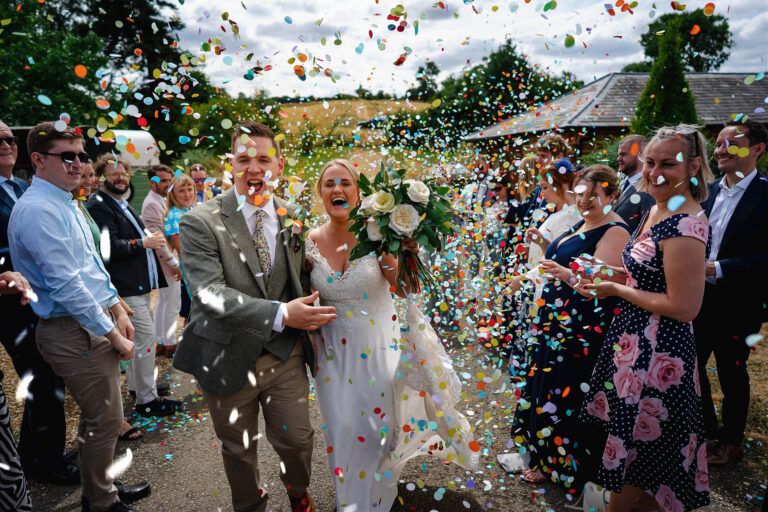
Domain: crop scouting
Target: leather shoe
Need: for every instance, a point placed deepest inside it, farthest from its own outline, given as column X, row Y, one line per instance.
column 303, row 503
column 724, row 454
column 119, row 506
column 163, row 389
column 131, row 493
column 159, row 407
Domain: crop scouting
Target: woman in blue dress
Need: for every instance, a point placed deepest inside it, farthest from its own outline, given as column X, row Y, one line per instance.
column 566, row 336
column 180, row 198
column 645, row 393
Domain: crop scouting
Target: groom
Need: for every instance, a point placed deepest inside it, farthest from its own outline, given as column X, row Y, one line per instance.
column 246, row 342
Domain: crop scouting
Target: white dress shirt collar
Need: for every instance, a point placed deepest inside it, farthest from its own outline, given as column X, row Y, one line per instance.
column 250, row 209
column 635, row 178
column 742, row 184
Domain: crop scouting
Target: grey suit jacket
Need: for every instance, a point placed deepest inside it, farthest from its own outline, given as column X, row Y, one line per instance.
column 232, row 317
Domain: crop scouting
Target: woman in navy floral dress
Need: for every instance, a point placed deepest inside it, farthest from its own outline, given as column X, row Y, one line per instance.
column 645, row 391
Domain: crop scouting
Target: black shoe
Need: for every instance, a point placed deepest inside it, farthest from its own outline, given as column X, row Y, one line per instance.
column 159, row 407
column 163, row 389
column 126, row 494
column 70, row 457
column 70, row 475
column 119, row 506
column 131, row 493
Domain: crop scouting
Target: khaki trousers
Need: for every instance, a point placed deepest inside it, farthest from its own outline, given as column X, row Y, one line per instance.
column 89, row 366
column 282, row 391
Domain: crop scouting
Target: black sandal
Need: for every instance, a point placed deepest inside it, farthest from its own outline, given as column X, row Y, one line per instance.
column 126, row 436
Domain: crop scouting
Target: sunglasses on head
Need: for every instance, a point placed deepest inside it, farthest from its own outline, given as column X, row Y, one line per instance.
column 11, row 141
column 69, row 156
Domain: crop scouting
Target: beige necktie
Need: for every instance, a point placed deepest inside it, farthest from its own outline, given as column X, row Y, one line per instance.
column 260, row 243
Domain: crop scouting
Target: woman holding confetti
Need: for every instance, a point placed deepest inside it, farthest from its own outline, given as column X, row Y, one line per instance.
column 645, row 393
column 566, row 336
column 180, row 199
column 375, row 421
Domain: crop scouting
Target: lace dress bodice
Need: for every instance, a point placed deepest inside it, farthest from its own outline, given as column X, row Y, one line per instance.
column 362, row 283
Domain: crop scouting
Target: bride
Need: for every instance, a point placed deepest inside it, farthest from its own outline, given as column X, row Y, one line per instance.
column 382, row 404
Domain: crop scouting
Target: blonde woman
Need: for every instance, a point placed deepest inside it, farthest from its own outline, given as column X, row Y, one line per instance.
column 179, row 200
column 371, row 430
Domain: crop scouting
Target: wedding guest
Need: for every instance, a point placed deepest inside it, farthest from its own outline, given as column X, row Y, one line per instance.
column 88, row 184
column 736, row 290
column 203, row 186
column 43, row 427
column 83, row 332
column 567, row 335
column 633, row 203
column 550, row 149
column 180, row 200
column 168, row 298
column 525, row 286
column 246, row 341
column 135, row 271
column 14, row 494
column 645, row 393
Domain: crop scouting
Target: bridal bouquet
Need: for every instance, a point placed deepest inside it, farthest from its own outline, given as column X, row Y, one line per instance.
column 394, row 208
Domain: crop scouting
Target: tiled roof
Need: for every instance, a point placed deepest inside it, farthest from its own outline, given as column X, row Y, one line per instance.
column 610, row 101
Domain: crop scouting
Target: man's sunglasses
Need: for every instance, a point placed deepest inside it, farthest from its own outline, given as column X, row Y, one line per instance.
column 11, row 141
column 69, row 156
column 199, row 180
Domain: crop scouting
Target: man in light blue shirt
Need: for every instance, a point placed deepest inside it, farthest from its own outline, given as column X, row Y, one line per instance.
column 83, row 330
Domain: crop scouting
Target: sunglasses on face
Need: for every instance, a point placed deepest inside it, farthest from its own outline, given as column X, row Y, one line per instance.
column 11, row 141
column 199, row 180
column 69, row 156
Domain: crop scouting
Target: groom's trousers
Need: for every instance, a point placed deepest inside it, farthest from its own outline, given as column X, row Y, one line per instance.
column 281, row 390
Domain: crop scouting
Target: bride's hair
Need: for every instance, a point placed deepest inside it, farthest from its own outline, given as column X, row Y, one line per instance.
column 341, row 162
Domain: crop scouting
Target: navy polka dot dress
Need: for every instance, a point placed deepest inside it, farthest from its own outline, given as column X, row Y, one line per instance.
column 645, row 391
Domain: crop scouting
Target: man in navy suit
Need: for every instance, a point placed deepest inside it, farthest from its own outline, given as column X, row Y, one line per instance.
column 43, row 428
column 632, row 203
column 736, row 291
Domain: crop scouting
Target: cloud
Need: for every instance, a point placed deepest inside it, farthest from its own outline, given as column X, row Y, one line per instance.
column 450, row 37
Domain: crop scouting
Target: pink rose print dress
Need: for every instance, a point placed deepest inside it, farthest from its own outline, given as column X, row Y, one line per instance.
column 645, row 391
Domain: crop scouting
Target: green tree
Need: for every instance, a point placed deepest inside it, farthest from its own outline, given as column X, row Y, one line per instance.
column 667, row 97
column 705, row 50
column 637, row 67
column 426, row 78
column 38, row 59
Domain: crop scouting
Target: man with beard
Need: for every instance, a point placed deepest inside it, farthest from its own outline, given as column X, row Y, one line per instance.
column 135, row 272
column 633, row 203
column 43, row 429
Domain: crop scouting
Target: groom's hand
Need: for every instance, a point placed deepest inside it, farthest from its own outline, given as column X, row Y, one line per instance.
column 301, row 314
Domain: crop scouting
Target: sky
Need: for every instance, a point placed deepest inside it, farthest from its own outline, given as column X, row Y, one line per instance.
column 454, row 36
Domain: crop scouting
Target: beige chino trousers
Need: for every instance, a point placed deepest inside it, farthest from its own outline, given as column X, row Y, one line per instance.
column 90, row 369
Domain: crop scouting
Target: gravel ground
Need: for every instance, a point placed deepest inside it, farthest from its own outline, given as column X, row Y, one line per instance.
column 181, row 457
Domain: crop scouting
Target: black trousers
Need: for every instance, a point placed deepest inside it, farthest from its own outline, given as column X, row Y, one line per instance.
column 724, row 337
column 43, row 427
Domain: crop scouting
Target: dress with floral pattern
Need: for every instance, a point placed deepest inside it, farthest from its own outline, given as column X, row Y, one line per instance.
column 645, row 390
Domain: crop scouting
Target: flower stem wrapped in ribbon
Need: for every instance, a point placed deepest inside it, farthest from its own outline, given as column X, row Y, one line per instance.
column 394, row 208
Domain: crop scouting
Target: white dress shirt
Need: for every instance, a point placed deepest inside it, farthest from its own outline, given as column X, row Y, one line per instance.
column 271, row 227
column 725, row 204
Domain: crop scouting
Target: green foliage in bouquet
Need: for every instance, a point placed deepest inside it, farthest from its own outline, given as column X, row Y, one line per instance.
column 394, row 208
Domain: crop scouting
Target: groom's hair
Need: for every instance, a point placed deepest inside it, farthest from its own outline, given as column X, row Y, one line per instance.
column 254, row 129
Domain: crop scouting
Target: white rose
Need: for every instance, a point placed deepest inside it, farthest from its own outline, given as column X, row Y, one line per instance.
column 366, row 205
column 374, row 230
column 383, row 202
column 404, row 219
column 418, row 192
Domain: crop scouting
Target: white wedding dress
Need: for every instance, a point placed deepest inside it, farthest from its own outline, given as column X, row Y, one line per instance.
column 385, row 396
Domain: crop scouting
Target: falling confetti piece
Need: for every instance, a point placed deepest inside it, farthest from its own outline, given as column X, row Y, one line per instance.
column 81, row 71
column 45, row 100
column 675, row 202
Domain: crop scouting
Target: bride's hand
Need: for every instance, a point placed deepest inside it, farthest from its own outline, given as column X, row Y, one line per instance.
column 411, row 245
